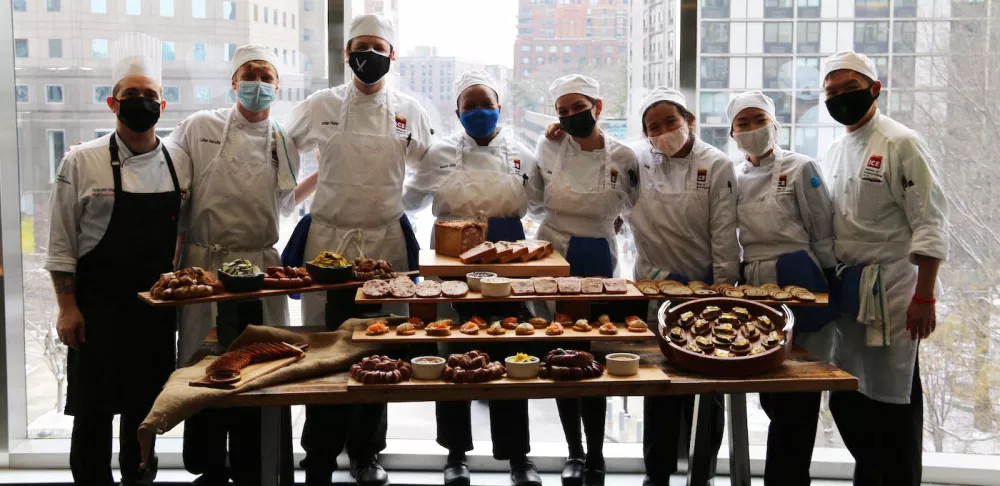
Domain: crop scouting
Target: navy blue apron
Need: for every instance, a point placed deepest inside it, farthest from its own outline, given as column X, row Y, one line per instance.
column 504, row 229
column 844, row 293
column 295, row 250
column 412, row 245
column 798, row 269
column 589, row 257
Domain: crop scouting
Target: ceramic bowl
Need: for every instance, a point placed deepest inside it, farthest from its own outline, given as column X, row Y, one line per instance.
column 525, row 370
column 427, row 367
column 474, row 278
column 622, row 364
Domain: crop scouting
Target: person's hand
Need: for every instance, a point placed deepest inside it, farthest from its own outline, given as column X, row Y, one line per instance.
column 618, row 224
column 554, row 132
column 70, row 327
column 921, row 319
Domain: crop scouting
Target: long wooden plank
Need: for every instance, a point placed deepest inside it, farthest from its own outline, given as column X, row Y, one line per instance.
column 434, row 265
column 539, row 335
column 822, row 300
column 248, row 374
column 475, row 297
column 229, row 296
column 648, row 375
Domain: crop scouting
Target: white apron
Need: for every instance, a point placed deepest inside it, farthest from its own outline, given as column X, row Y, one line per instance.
column 762, row 219
column 581, row 208
column 467, row 191
column 237, row 198
column 358, row 201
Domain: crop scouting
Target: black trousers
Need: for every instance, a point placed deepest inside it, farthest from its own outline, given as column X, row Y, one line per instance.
column 90, row 448
column 329, row 428
column 211, row 432
column 667, row 419
column 508, row 427
column 886, row 439
column 790, row 436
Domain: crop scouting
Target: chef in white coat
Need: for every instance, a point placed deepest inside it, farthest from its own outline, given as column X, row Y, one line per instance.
column 367, row 134
column 584, row 182
column 480, row 171
column 244, row 175
column 785, row 221
column 684, row 226
column 890, row 226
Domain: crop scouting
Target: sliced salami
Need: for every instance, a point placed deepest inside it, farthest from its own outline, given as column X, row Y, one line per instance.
column 376, row 289
column 454, row 288
column 428, row 288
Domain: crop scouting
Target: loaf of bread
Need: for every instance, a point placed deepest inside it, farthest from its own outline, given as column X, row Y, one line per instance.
column 452, row 238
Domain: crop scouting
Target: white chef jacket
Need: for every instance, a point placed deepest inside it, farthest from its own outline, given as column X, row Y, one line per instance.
column 429, row 183
column 805, row 217
column 888, row 207
column 83, row 195
column 200, row 136
column 685, row 221
column 314, row 121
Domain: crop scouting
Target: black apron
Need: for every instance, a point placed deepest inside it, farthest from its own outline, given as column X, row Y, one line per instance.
column 130, row 347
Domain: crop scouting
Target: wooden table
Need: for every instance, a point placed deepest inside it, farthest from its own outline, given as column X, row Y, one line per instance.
column 434, row 265
column 801, row 373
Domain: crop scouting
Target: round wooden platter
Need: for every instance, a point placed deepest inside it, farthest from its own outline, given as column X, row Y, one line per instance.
column 711, row 365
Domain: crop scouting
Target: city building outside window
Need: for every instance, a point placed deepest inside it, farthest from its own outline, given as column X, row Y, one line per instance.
column 54, row 94
column 265, row 15
column 22, row 93
column 808, row 37
column 133, row 7
column 198, row 9
column 256, row 13
column 716, row 37
column 307, row 34
column 715, row 72
column 99, row 48
column 172, row 94
column 809, row 8
column 55, row 48
column 774, row 9
column 202, row 95
column 715, row 9
column 229, row 10
column 229, row 50
column 99, row 6
column 778, row 37
column 904, row 37
column 56, row 140
column 101, row 94
column 169, row 54
column 53, row 5
column 20, row 47
column 871, row 37
column 20, row 5
column 871, row 8
column 166, row 8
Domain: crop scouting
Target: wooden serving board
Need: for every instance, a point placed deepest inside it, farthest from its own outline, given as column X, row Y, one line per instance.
column 822, row 300
column 539, row 335
column 632, row 293
column 260, row 294
column 434, row 265
column 249, row 373
column 648, row 375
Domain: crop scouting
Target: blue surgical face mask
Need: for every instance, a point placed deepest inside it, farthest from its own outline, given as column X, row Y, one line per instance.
column 481, row 122
column 255, row 95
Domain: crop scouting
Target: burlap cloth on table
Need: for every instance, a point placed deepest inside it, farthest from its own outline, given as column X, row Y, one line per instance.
column 329, row 352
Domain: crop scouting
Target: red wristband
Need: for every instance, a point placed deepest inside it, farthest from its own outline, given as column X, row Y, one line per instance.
column 921, row 300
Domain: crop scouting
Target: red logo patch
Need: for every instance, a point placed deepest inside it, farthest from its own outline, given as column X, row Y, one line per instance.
column 400, row 122
column 702, row 175
column 614, row 176
column 517, row 164
column 875, row 162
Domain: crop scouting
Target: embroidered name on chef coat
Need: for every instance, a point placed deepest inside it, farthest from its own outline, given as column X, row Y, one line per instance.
column 102, row 192
column 702, row 179
column 873, row 169
column 205, row 140
column 332, row 123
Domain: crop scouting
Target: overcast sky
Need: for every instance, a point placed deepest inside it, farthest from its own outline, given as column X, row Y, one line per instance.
column 477, row 30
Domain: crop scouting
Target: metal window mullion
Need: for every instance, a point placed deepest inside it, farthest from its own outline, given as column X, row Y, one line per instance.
column 686, row 53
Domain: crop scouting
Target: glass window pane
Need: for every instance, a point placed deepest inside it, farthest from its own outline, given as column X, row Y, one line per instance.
column 870, row 37
column 166, row 8
column 55, row 48
column 229, row 10
column 715, row 9
column 101, row 94
column 307, row 5
column 133, row 7
column 53, row 5
column 20, row 47
column 99, row 6
column 54, row 93
column 20, row 5
column 172, row 94
column 99, row 48
column 198, row 9
column 21, row 93
column 229, row 50
column 202, row 95
column 199, row 51
column 169, row 54
column 56, row 140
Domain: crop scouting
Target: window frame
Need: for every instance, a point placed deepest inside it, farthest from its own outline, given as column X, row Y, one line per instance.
column 104, row 99
column 62, row 94
column 55, row 159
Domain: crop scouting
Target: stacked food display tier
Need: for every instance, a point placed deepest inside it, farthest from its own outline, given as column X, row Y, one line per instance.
column 434, row 265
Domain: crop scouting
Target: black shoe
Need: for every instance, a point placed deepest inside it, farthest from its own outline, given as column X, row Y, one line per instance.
column 456, row 473
column 648, row 481
column 572, row 473
column 314, row 478
column 368, row 472
column 593, row 477
column 524, row 473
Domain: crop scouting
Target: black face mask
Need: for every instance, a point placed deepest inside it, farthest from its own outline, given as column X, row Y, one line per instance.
column 369, row 66
column 139, row 114
column 579, row 125
column 849, row 108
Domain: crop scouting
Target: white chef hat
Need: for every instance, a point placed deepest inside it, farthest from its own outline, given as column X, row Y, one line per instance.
column 663, row 93
column 849, row 60
column 253, row 52
column 575, row 84
column 375, row 25
column 750, row 99
column 473, row 78
column 136, row 53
